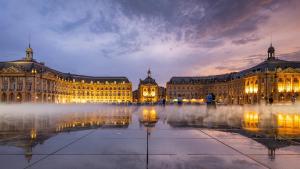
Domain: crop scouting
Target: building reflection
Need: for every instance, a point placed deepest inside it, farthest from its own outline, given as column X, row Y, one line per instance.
column 278, row 125
column 27, row 132
column 274, row 131
column 148, row 116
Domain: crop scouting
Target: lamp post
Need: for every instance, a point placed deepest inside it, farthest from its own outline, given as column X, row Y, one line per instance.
column 148, row 119
column 147, row 160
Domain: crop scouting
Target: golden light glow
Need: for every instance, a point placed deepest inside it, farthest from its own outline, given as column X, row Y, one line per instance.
column 105, row 118
column 251, row 89
column 33, row 134
column 288, row 87
column 288, row 123
column 280, row 87
column 251, row 86
column 251, row 121
column 149, row 115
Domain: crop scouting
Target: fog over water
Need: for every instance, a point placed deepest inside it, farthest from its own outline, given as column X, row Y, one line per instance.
column 195, row 115
column 187, row 136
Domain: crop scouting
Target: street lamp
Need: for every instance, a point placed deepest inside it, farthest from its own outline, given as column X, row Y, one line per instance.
column 148, row 119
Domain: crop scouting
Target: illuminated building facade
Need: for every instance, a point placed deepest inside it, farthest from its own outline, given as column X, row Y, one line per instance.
column 27, row 80
column 148, row 90
column 273, row 78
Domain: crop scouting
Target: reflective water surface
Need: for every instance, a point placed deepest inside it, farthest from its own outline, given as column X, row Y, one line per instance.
column 115, row 136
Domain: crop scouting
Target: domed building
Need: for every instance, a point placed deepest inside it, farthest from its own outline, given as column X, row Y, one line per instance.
column 148, row 90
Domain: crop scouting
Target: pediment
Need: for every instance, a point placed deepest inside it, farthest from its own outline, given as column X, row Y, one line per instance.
column 12, row 69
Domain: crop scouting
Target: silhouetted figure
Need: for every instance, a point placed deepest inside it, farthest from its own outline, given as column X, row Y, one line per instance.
column 179, row 100
column 271, row 100
column 164, row 102
column 271, row 153
column 210, row 103
column 213, row 100
column 209, row 99
column 293, row 99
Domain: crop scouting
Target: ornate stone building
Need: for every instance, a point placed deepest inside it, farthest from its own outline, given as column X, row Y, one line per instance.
column 148, row 90
column 273, row 78
column 27, row 80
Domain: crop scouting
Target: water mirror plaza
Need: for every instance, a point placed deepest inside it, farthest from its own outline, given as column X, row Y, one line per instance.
column 115, row 136
column 150, row 84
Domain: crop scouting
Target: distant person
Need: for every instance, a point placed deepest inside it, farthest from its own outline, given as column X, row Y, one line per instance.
column 293, row 99
column 164, row 102
column 271, row 100
column 209, row 99
column 213, row 100
column 179, row 100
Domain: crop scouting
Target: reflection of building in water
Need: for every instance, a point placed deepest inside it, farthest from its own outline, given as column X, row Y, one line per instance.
column 272, row 130
column 273, row 78
column 281, row 124
column 26, row 132
column 148, row 116
column 288, row 124
column 27, row 80
column 87, row 120
column 250, row 121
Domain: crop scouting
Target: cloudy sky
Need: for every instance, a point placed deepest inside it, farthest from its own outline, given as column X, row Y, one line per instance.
column 172, row 37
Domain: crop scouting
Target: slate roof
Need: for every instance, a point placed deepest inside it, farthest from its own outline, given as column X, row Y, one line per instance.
column 267, row 65
column 148, row 80
column 27, row 66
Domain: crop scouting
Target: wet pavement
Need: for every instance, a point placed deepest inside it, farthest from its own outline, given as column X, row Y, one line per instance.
column 178, row 137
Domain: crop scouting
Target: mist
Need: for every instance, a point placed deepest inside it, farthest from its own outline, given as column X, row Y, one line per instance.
column 195, row 115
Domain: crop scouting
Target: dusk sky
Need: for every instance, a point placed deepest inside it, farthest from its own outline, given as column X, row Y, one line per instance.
column 172, row 37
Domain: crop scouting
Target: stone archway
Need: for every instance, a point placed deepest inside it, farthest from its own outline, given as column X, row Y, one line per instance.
column 11, row 97
column 38, row 97
column 255, row 98
column 4, row 97
column 45, row 99
column 53, row 99
column 288, row 97
column 28, row 97
column 281, row 97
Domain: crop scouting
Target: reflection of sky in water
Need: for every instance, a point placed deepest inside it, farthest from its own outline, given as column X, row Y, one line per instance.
column 235, row 136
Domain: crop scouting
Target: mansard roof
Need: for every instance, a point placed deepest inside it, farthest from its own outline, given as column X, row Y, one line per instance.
column 267, row 65
column 148, row 80
column 201, row 79
column 28, row 66
column 271, row 65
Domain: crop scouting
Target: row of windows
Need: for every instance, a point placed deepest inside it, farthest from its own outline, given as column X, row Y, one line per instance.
column 102, row 88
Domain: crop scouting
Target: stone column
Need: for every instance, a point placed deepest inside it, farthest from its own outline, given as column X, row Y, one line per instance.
column 24, row 89
column 34, row 89
column 42, row 89
column 1, row 85
column 8, row 84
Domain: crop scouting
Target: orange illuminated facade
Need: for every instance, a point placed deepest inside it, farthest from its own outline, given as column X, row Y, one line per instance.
column 274, row 79
column 27, row 80
column 148, row 90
